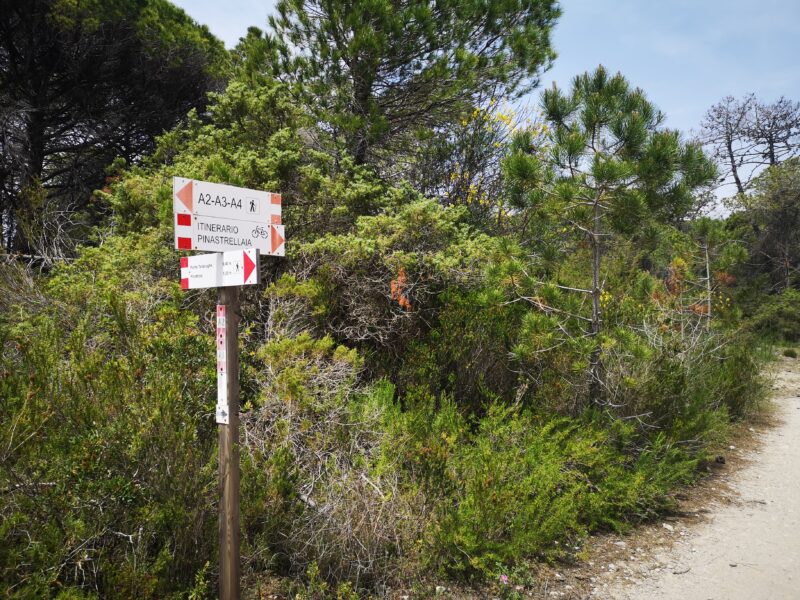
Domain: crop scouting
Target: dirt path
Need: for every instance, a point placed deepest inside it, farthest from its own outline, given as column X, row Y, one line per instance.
column 747, row 549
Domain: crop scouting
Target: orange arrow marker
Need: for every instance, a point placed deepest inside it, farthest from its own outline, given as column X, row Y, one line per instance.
column 277, row 240
column 185, row 195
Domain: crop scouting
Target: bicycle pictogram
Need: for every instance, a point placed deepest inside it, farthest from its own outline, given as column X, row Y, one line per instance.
column 260, row 232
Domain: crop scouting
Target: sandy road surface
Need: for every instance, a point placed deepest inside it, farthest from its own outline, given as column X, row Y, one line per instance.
column 750, row 549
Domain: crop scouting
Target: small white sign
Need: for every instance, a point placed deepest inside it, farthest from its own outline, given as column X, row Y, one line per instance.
column 222, row 269
column 222, row 399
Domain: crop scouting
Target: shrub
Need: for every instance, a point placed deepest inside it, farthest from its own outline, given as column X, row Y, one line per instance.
column 686, row 383
column 778, row 317
column 321, row 487
column 790, row 353
column 532, row 486
column 106, row 479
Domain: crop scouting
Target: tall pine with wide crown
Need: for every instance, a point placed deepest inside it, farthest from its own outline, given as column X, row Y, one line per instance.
column 380, row 69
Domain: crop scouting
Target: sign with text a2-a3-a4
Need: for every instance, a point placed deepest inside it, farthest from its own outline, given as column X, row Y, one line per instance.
column 220, row 217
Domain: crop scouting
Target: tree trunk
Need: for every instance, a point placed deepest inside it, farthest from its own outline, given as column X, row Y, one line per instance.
column 361, row 146
column 362, row 88
column 708, row 286
column 23, row 212
column 771, row 151
column 787, row 268
column 595, row 361
column 732, row 160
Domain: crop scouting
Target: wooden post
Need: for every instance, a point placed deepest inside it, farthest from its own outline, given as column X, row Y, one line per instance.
column 229, row 586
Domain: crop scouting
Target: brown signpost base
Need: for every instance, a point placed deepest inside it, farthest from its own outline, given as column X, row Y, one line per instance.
column 229, row 575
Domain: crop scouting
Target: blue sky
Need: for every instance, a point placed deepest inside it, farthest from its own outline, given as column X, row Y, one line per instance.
column 685, row 54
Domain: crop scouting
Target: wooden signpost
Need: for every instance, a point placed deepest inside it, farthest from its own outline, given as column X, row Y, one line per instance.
column 240, row 225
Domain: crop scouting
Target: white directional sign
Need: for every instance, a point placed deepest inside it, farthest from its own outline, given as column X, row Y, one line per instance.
column 221, row 269
column 219, row 217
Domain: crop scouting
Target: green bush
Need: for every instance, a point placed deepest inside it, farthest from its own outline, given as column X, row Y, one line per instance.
column 528, row 486
column 113, row 447
column 104, row 401
column 790, row 353
column 687, row 386
column 732, row 377
column 322, row 490
column 778, row 317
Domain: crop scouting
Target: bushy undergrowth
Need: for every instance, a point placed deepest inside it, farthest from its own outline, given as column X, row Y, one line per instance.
column 778, row 317
column 108, row 465
column 414, row 387
column 107, row 471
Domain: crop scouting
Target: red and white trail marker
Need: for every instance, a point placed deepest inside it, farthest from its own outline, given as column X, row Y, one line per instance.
column 220, row 217
column 221, row 269
column 222, row 374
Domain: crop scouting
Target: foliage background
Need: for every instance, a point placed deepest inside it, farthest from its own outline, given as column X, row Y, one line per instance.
column 414, row 374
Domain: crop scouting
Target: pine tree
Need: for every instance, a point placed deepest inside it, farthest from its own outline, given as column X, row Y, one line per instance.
column 382, row 68
column 609, row 166
column 82, row 83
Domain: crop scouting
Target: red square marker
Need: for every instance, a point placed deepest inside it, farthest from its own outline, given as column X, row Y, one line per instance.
column 276, row 219
column 184, row 243
column 185, row 284
column 184, row 262
column 275, row 198
column 184, row 219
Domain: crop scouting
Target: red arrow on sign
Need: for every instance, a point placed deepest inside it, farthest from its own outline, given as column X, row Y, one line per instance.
column 185, row 195
column 249, row 267
column 277, row 240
